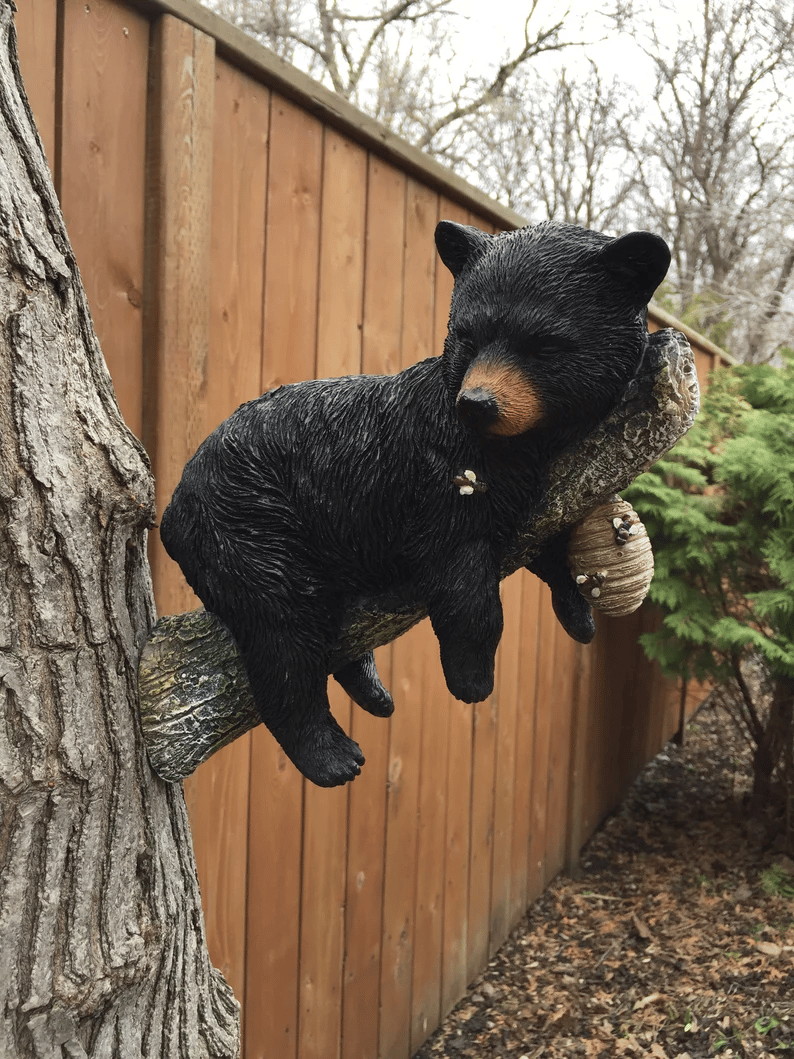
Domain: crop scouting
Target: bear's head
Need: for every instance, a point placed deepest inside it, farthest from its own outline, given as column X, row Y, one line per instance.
column 547, row 324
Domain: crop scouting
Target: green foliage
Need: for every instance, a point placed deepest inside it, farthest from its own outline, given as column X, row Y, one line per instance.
column 719, row 509
column 776, row 880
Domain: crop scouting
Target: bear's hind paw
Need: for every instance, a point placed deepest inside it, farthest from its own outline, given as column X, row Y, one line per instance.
column 328, row 757
column 470, row 687
column 361, row 681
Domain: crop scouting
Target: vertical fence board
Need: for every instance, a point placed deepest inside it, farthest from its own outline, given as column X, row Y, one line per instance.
column 103, row 147
column 276, row 792
column 274, row 896
column 657, row 690
column 218, row 795
column 237, row 241
column 545, row 705
column 581, row 743
column 413, row 656
column 454, row 967
column 560, row 706
column 484, row 753
column 177, row 273
column 322, row 911
column 36, row 33
column 613, row 711
column 341, row 258
column 506, row 694
column 340, row 310
column 525, row 743
column 293, row 240
column 640, row 705
column 631, row 714
column 408, row 674
column 641, row 717
column 456, row 868
column 484, row 733
column 431, row 824
column 481, row 834
column 383, row 284
column 634, row 712
column 598, row 777
column 443, row 841
column 176, row 330
column 217, row 801
column 431, row 855
column 382, row 327
column 705, row 363
column 420, row 341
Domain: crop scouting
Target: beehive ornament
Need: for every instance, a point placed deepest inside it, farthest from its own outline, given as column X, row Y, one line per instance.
column 611, row 559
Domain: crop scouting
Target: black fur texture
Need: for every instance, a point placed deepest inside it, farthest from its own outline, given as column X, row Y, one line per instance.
column 324, row 492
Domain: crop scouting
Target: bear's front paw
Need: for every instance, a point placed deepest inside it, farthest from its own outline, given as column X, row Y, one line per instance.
column 327, row 756
column 469, row 686
column 469, row 673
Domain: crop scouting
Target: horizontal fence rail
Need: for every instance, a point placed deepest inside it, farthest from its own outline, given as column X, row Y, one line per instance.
column 238, row 227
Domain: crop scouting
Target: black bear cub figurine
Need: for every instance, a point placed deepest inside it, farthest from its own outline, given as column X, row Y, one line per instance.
column 323, row 493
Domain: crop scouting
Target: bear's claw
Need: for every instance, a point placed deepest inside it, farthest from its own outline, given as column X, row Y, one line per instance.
column 328, row 757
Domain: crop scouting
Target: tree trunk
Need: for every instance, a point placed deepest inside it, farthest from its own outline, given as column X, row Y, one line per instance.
column 102, row 944
column 773, row 758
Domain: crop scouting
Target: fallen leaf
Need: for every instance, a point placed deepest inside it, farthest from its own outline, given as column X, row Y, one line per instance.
column 646, row 1001
column 628, row 1045
column 593, row 1048
column 641, row 927
column 562, row 1022
column 768, row 948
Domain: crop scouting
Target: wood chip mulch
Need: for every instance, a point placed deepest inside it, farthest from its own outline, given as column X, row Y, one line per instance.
column 676, row 941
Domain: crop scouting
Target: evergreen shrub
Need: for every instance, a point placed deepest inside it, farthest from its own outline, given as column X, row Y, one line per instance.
column 719, row 509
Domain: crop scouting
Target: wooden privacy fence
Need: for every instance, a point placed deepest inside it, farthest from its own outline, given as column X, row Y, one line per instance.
column 238, row 227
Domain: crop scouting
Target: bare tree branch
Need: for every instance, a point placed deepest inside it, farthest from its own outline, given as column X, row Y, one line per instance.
column 720, row 150
column 546, row 40
column 708, row 162
column 373, row 57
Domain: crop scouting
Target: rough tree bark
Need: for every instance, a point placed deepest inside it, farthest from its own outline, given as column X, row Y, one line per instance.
column 194, row 694
column 102, row 943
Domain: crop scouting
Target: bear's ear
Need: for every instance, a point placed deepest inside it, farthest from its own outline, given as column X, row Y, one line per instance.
column 640, row 260
column 457, row 243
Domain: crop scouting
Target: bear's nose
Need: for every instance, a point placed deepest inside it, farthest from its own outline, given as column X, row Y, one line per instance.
column 477, row 408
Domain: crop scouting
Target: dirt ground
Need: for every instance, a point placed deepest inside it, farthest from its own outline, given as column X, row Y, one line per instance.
column 676, row 942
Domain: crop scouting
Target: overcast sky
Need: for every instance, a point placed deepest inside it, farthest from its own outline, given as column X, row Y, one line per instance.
column 490, row 27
